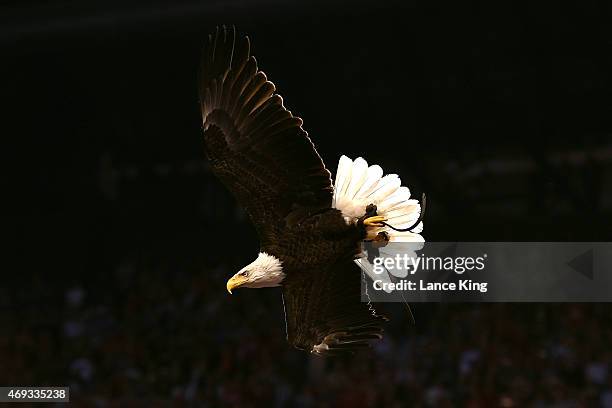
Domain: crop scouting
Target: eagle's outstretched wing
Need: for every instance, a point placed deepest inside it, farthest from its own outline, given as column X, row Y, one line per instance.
column 324, row 313
column 255, row 145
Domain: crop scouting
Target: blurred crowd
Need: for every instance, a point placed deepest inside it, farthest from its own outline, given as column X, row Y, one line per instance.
column 162, row 331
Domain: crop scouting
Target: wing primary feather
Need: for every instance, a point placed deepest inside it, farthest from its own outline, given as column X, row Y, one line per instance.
column 243, row 121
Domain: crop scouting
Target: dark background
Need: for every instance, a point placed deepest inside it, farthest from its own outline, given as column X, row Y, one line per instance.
column 124, row 239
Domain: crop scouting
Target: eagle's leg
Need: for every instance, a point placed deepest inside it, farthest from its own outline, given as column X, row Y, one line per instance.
column 370, row 212
column 371, row 217
column 371, row 220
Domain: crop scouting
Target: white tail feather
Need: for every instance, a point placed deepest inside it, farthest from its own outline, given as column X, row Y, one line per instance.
column 358, row 185
column 343, row 176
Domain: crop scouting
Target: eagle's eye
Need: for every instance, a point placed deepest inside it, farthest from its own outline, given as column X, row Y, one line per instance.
column 243, row 273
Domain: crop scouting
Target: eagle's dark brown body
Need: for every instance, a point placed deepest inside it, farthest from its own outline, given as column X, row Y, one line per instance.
column 316, row 242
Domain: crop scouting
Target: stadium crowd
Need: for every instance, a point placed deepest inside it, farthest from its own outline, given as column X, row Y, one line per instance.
column 162, row 332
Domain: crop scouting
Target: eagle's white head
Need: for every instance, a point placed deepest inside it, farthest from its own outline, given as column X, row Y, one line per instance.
column 264, row 272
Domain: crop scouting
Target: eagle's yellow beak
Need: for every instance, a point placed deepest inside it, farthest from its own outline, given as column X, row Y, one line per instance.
column 235, row 282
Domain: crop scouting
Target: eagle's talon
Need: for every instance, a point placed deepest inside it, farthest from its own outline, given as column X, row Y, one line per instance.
column 378, row 237
column 381, row 239
column 382, row 236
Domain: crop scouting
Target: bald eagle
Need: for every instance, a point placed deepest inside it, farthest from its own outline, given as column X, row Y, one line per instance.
column 310, row 229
